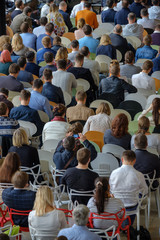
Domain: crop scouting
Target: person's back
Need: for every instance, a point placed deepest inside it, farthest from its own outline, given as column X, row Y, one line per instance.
column 121, row 16
column 154, row 11
column 48, row 32
column 156, row 36
column 31, row 66
column 136, row 7
column 156, row 63
column 109, row 14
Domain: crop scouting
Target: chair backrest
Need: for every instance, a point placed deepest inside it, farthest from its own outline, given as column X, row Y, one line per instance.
column 145, row 92
column 77, row 197
column 31, row 172
column 26, row 84
column 43, row 116
column 137, row 97
column 50, row 145
column 41, row 234
column 56, row 173
column 53, row 104
column 150, row 99
column 157, row 83
column 46, row 160
column 96, row 103
column 67, row 98
column 12, row 94
column 156, row 47
column 96, row 137
column 115, row 112
column 108, row 233
column 119, row 55
column 66, row 42
column 156, row 74
column 69, row 35
column 81, row 121
column 141, row 60
column 28, row 126
column 16, row 101
column 2, row 74
column 19, row 213
column 103, row 58
column 131, row 106
column 35, row 77
column 136, row 42
column 42, row 64
column 116, row 150
column 5, row 185
column 84, row 83
column 107, row 27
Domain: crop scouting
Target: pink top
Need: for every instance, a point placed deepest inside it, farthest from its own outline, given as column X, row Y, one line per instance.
column 79, row 34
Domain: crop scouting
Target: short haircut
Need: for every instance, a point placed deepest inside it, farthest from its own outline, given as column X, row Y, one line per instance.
column 24, row 27
column 43, row 21
column 30, row 55
column 80, row 215
column 87, row 5
column 85, row 51
column 62, row 4
column 4, row 236
column 114, row 70
column 129, row 155
column 117, row 28
column 4, row 91
column 81, row 95
column 155, row 2
column 25, row 95
column 81, row 22
column 61, row 64
column 157, row 28
column 83, row 155
column 76, row 128
column 21, row 62
column 110, row 3
column 144, row 12
column 47, row 73
column 14, row 68
column 125, row 3
column 3, row 108
column 74, row 44
column 140, row 141
column 37, row 83
column 27, row 10
column 57, row 40
column 48, row 57
column 87, row 29
column 79, row 57
column 20, row 179
column 147, row 65
column 7, row 46
column 129, row 57
column 46, row 41
column 147, row 40
column 18, row 3
column 49, row 27
column 131, row 16
column 69, row 143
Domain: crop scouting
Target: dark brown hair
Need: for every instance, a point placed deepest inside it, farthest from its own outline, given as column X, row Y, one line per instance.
column 76, row 128
column 83, row 155
column 20, row 179
column 59, row 110
column 143, row 125
column 155, row 111
column 120, row 125
column 25, row 95
column 129, row 156
column 140, row 141
column 3, row 108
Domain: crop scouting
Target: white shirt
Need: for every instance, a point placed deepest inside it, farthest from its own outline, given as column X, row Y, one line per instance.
column 41, row 30
column 127, row 179
column 154, row 12
column 146, row 22
column 77, row 8
column 45, row 10
column 72, row 55
column 143, row 80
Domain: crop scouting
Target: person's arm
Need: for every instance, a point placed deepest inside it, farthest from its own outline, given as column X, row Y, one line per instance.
column 115, row 19
column 47, row 109
column 95, row 23
column 62, row 220
column 86, row 126
column 126, row 86
column 61, row 96
column 69, row 23
column 61, row 157
column 74, row 82
column 145, row 112
column 88, row 145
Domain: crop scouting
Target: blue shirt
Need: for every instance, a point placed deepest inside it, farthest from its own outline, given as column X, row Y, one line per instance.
column 108, row 15
column 156, row 63
column 52, row 67
column 145, row 52
column 29, row 40
column 39, row 40
column 136, row 8
column 40, row 54
column 66, row 19
column 25, row 76
column 89, row 42
column 108, row 50
column 53, row 93
column 121, row 16
column 39, row 102
column 32, row 68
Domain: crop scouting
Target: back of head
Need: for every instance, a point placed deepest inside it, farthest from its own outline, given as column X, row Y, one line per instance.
column 80, row 215
column 47, row 74
column 48, row 57
column 155, row 2
column 37, row 83
column 3, row 40
column 57, row 40
column 53, row 8
column 62, row 4
column 4, row 91
column 103, row 108
column 81, row 22
column 46, row 41
column 76, row 128
column 69, row 143
column 87, row 5
column 7, row 46
column 147, row 40
column 43, row 21
column 79, row 58
column 24, row 27
column 3, row 108
column 81, row 96
column 105, row 40
column 59, row 110
column 62, row 53
column 144, row 12
column 21, row 62
column 114, row 70
column 125, row 3
column 30, row 55
column 120, row 125
column 85, row 51
column 129, row 57
column 20, row 179
column 129, row 156
column 156, row 110
column 4, row 236
column 143, row 125
column 87, row 29
column 117, row 29
column 140, row 141
column 62, row 64
column 157, row 28
column 25, row 95
column 110, row 3
column 20, row 138
column 74, row 44
column 18, row 3
column 147, row 65
column 132, row 17
column 27, row 10
column 83, row 156
column 49, row 28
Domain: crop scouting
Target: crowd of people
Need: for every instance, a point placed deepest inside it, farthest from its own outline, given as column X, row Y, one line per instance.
column 32, row 52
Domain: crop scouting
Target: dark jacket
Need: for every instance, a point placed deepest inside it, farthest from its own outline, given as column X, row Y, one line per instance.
column 39, row 40
column 11, row 83
column 52, row 67
column 15, row 13
column 108, row 50
column 53, row 93
column 7, row 102
column 156, row 39
column 156, row 63
column 136, row 8
column 66, row 19
column 108, row 15
column 40, row 54
column 121, row 16
column 33, row 68
column 25, row 76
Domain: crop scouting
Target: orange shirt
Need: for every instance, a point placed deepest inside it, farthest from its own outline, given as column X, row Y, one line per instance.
column 89, row 16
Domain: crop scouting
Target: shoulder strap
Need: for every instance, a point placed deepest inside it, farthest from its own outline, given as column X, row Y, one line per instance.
column 69, row 161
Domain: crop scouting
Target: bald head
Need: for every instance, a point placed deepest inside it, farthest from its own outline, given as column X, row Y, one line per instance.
column 117, row 29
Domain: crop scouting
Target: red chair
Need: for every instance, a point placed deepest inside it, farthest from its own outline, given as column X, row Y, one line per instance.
column 68, row 213
column 3, row 212
column 112, row 217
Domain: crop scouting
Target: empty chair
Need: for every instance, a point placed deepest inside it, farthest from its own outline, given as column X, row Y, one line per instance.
column 131, row 106
column 50, row 145
column 138, row 98
column 16, row 101
column 107, row 27
column 96, row 137
column 83, row 83
column 46, row 160
column 65, row 41
column 116, row 150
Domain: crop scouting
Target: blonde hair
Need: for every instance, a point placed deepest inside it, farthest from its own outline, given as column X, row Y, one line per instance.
column 3, row 40
column 103, row 108
column 105, row 40
column 17, row 42
column 81, row 22
column 53, row 8
column 20, row 138
column 62, row 54
column 44, row 198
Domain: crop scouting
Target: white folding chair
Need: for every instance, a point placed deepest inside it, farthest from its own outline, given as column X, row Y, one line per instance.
column 96, row 103
column 16, row 101
column 116, row 150
column 107, row 27
column 12, row 94
column 41, row 234
column 46, row 160
column 50, row 145
column 150, row 99
column 67, row 98
column 66, row 42
column 134, row 41
column 29, row 127
column 137, row 97
column 145, row 92
column 26, row 84
column 56, row 173
column 104, row 233
column 115, row 112
column 83, row 83
column 141, row 60
column 104, row 164
column 156, row 74
column 43, row 116
column 98, row 32
column 119, row 55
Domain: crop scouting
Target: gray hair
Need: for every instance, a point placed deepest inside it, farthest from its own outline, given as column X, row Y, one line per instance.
column 80, row 215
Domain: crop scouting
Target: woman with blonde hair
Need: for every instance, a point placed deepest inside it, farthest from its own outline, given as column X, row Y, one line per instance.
column 45, row 218
column 18, row 46
column 79, row 33
column 105, row 47
column 3, row 40
column 5, row 62
column 101, row 121
column 57, row 19
column 62, row 54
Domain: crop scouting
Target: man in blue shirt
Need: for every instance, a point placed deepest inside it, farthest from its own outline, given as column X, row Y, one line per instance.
column 156, row 62
column 136, row 7
column 88, row 40
column 38, row 101
column 49, row 28
column 62, row 10
column 29, row 39
column 122, row 15
column 108, row 15
column 31, row 66
column 23, row 75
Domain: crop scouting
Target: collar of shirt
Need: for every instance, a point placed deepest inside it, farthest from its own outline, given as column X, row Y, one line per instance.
column 18, row 9
column 58, row 118
column 156, row 31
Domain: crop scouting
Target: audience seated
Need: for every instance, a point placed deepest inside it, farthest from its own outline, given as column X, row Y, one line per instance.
column 118, row 134
column 3, row 98
column 19, row 197
column 19, row 8
column 156, row 62
column 101, row 121
column 38, row 101
column 142, row 79
column 4, row 39
column 88, row 40
column 132, row 28
column 79, row 32
column 121, row 16
column 104, row 201
column 5, row 62
column 79, row 177
column 45, row 218
column 56, row 44
column 45, row 8
column 156, row 36
column 20, row 18
column 80, row 217
column 49, row 28
column 154, row 11
column 63, row 79
column 62, row 54
column 48, row 58
column 126, row 179
column 128, row 69
column 80, row 111
column 52, row 92
column 46, row 41
column 23, row 75
column 29, row 39
column 58, row 127
column 105, row 47
column 136, row 8
column 40, row 29
column 10, row 165
column 146, row 51
column 18, row 46
column 75, row 50
column 57, row 19
column 10, row 82
column 109, row 14
column 25, row 113
column 14, row 57
column 62, row 10
column 31, row 66
column 77, row 8
column 145, row 21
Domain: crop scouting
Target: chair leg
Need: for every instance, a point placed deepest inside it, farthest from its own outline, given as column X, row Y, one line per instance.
column 146, row 218
column 157, row 201
column 138, row 224
column 149, row 207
